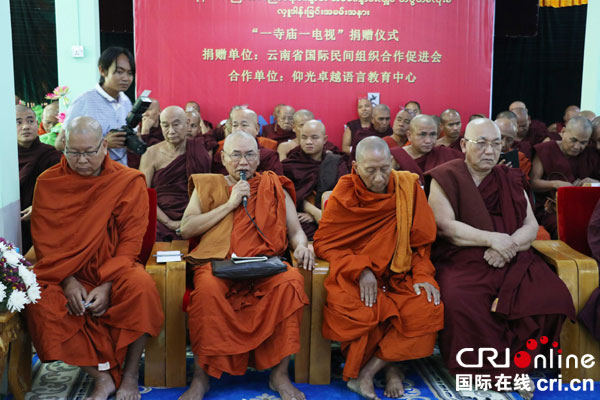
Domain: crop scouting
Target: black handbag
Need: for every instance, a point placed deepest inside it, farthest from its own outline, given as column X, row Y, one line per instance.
column 243, row 268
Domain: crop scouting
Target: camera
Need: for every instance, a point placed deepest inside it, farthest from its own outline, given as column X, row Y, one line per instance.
column 132, row 141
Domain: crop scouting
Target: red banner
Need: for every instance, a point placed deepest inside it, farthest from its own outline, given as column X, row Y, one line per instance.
column 317, row 54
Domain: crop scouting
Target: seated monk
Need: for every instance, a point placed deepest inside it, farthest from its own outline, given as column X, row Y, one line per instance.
column 242, row 118
column 383, row 303
column 508, row 130
column 567, row 162
column 300, row 118
column 422, row 154
column 313, row 170
column 34, row 158
column 531, row 130
column 380, row 127
column 524, row 146
column 167, row 166
column 365, row 112
column 281, row 131
column 399, row 129
column 98, row 304
column 570, row 112
column 595, row 139
column 451, row 126
column 590, row 314
column 195, row 124
column 497, row 292
column 413, row 107
column 49, row 118
column 194, row 106
column 258, row 322
column 149, row 131
column 590, row 115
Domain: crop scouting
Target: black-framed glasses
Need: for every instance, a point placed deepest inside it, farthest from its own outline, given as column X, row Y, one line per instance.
column 86, row 154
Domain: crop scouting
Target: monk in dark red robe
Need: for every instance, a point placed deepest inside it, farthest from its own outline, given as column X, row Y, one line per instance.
column 400, row 130
column 570, row 112
column 167, row 167
column 451, row 127
column 281, row 131
column 590, row 314
column 508, row 130
column 568, row 162
column 497, row 292
column 313, row 170
column 98, row 304
column 34, row 158
column 383, row 302
column 422, row 154
column 365, row 113
column 380, row 127
column 258, row 321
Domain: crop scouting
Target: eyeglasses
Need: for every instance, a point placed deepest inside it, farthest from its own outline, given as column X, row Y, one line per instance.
column 483, row 144
column 237, row 156
column 86, row 154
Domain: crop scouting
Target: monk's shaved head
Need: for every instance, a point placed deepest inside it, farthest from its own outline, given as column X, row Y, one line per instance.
column 508, row 130
column 423, row 133
column 570, row 112
column 372, row 145
column 174, row 111
column 23, row 109
column 312, row 139
column 300, row 118
column 517, row 104
column 26, row 126
column 380, row 108
column 285, row 117
column 193, row 116
column 576, row 136
column 381, row 118
column 315, row 125
column 243, row 119
column 508, row 115
column 482, row 145
column 193, row 123
column 51, row 108
column 84, row 126
column 580, row 123
column 451, row 123
column 373, row 163
column 478, row 126
column 238, row 137
column 590, row 115
column 192, row 105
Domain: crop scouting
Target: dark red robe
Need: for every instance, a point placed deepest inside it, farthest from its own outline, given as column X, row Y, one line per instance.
column 524, row 147
column 531, row 301
column 366, row 132
column 312, row 177
column 32, row 162
column 171, row 185
column 590, row 314
column 274, row 131
column 354, row 127
column 437, row 156
column 269, row 161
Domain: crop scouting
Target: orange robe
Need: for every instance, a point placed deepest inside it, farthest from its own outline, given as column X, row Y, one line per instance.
column 390, row 233
column 267, row 143
column 91, row 228
column 234, row 324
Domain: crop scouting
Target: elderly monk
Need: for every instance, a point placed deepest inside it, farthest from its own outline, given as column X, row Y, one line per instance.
column 244, row 119
column 258, row 321
column 533, row 130
column 524, row 146
column 590, row 314
column 365, row 113
column 413, row 107
column 49, row 118
column 167, row 166
column 380, row 126
column 422, row 154
column 497, row 292
column 383, row 302
column 567, row 162
column 314, row 171
column 98, row 303
column 281, row 131
column 451, row 126
column 399, row 129
column 508, row 130
column 34, row 158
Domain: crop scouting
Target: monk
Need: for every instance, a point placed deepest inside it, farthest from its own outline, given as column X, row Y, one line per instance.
column 451, row 127
column 413, row 107
column 383, row 303
column 365, row 113
column 300, row 118
column 194, row 106
column 570, row 112
column 380, row 126
column 508, row 130
column 244, row 119
column 497, row 292
column 524, row 146
column 167, row 166
column 281, row 131
column 314, row 171
column 258, row 321
column 195, row 124
column 590, row 314
column 422, row 154
column 34, row 158
column 567, row 162
column 590, row 115
column 399, row 129
column 149, row 131
column 98, row 304
column 533, row 130
column 595, row 139
column 49, row 118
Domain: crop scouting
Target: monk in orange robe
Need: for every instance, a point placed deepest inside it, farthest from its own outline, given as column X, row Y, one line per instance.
column 49, row 118
column 400, row 129
column 98, row 303
column 258, row 321
column 383, row 303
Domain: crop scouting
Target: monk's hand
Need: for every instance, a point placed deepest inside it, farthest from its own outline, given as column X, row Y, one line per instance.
column 99, row 299
column 305, row 217
column 173, row 225
column 559, row 184
column 305, row 257
column 26, row 214
column 494, row 258
column 75, row 294
column 430, row 290
column 239, row 190
column 504, row 162
column 505, row 245
column 368, row 287
column 115, row 139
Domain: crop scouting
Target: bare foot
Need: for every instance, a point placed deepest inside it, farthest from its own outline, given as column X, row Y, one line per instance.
column 393, row 382
column 363, row 386
column 129, row 389
column 104, row 387
column 279, row 382
column 199, row 386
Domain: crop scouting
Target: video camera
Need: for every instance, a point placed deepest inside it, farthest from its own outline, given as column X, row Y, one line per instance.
column 132, row 141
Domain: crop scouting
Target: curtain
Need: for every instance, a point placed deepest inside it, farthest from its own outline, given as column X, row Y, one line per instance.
column 562, row 3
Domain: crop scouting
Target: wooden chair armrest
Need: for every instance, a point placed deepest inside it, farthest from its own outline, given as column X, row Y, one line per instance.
column 31, row 256
column 552, row 252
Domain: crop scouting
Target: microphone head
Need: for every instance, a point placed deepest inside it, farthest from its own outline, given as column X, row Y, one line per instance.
column 243, row 175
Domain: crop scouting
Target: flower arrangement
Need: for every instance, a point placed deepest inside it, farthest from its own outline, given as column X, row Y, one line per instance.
column 59, row 93
column 18, row 284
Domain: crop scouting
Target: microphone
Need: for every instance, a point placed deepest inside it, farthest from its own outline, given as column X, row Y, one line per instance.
column 245, row 198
